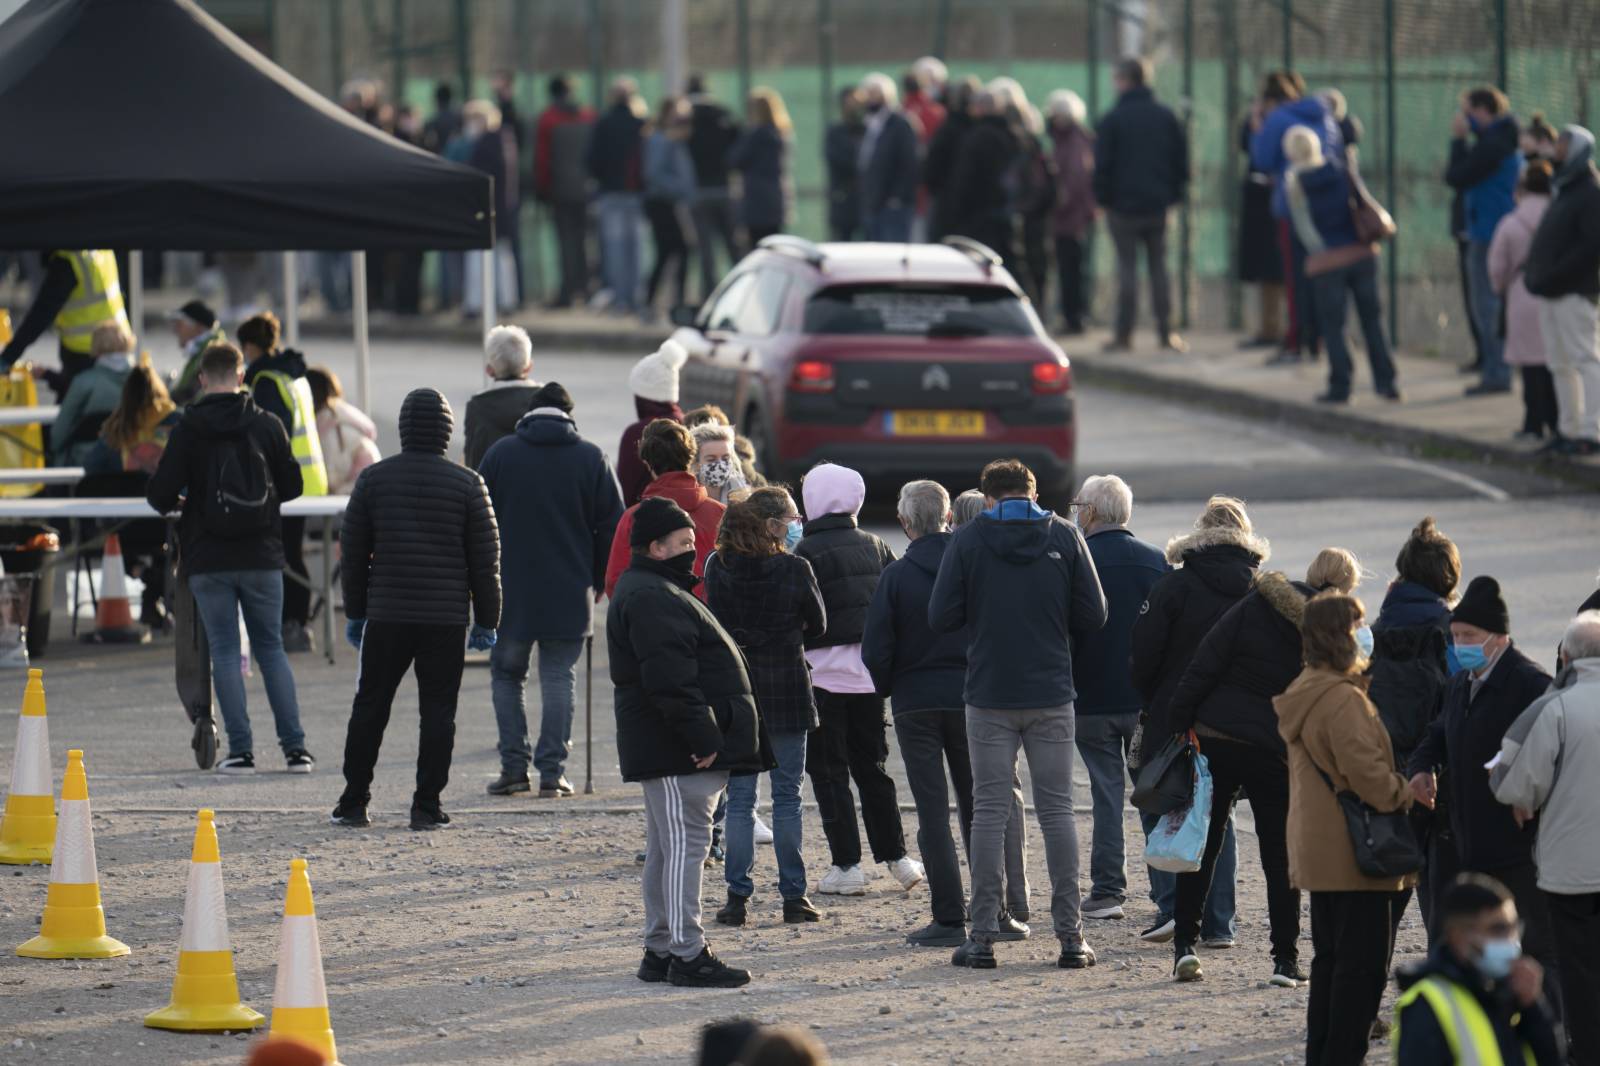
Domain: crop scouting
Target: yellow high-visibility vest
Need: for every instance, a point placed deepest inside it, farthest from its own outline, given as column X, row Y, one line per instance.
column 96, row 297
column 1467, row 1028
column 303, row 439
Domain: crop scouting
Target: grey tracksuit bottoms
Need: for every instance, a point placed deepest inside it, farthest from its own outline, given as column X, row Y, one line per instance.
column 677, row 838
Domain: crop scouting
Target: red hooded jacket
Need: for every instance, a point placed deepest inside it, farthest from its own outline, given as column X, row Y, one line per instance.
column 682, row 489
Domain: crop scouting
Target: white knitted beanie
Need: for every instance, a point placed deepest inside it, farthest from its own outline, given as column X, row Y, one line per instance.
column 655, row 377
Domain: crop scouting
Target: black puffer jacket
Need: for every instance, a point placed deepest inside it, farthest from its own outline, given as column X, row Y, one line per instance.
column 682, row 686
column 419, row 539
column 848, row 563
column 1218, row 566
column 769, row 604
column 1251, row 655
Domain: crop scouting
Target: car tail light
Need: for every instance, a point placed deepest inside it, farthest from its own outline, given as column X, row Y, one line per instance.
column 1051, row 377
column 812, row 375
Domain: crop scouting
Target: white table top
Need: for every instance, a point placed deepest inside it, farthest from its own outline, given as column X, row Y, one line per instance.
column 49, row 475
column 25, row 416
column 134, row 507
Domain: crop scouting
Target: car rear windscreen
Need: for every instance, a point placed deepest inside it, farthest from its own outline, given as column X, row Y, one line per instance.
column 918, row 311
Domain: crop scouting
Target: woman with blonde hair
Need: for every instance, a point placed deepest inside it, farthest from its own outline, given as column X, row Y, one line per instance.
column 761, row 155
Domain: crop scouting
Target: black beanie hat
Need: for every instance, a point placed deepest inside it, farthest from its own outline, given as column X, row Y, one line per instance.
column 552, row 394
column 1484, row 607
column 655, row 517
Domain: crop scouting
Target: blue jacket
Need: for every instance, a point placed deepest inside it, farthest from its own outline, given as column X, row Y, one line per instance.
column 761, row 156
column 1266, row 147
column 1327, row 191
column 1022, row 582
column 1408, row 604
column 1486, row 173
column 915, row 667
column 668, row 169
column 1128, row 567
column 558, row 504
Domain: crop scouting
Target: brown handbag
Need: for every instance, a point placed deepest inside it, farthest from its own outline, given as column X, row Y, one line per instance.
column 1373, row 223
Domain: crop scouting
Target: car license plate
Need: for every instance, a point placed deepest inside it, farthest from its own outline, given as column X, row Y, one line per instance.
column 934, row 423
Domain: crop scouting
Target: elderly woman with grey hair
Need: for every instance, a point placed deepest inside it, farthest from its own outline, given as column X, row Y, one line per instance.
column 923, row 674
column 716, row 463
column 493, row 413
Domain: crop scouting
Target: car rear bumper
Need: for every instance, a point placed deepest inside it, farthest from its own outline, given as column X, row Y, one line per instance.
column 1048, row 451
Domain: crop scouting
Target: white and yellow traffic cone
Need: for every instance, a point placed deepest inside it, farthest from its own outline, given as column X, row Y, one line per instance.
column 28, row 828
column 113, row 615
column 300, row 998
column 74, row 925
column 205, row 994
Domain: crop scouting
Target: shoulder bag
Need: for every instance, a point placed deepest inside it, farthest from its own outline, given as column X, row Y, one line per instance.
column 1385, row 845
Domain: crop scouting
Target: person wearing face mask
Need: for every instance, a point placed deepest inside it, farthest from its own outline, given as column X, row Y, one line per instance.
column 716, row 467
column 666, row 450
column 1476, row 998
column 1497, row 683
column 686, row 721
column 768, row 600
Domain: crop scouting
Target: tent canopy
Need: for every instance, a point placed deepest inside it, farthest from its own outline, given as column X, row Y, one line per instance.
column 147, row 124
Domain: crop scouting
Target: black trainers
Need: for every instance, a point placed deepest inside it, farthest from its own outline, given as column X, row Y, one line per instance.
column 1287, row 975
column 242, row 763
column 705, row 970
column 299, row 761
column 510, row 785
column 974, row 956
column 204, row 742
column 428, row 817
column 938, row 935
column 799, row 910
column 1079, row 956
column 350, row 815
column 556, row 789
column 1186, row 964
column 733, row 913
column 1012, row 930
column 653, row 968
column 297, row 638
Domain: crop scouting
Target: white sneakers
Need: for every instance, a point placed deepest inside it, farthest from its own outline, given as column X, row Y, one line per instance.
column 843, row 882
column 763, row 832
column 907, row 871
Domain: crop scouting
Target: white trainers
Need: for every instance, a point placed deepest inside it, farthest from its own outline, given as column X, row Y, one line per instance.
column 763, row 832
column 907, row 871
column 842, row 882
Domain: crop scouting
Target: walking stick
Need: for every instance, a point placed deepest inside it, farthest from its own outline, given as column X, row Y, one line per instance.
column 588, row 719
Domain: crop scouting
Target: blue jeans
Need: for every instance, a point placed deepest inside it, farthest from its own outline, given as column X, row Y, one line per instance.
column 558, row 689
column 1485, row 308
column 219, row 597
column 891, row 224
column 1103, row 743
column 621, row 214
column 789, row 748
column 1218, row 920
column 1359, row 281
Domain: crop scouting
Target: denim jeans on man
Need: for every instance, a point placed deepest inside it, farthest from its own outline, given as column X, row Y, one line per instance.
column 1486, row 316
column 994, row 738
column 1359, row 281
column 789, row 748
column 1103, row 742
column 558, row 689
column 621, row 214
column 1218, row 921
column 219, row 598
column 1129, row 233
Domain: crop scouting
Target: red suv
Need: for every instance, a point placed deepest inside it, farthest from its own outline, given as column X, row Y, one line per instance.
column 900, row 360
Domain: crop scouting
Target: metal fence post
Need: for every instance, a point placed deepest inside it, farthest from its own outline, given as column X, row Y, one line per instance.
column 1227, row 18
column 1390, row 170
column 742, row 20
column 397, row 37
column 1185, row 222
column 336, row 45
column 597, row 56
column 1288, row 34
column 825, row 58
column 464, row 47
column 941, row 30
column 1093, row 38
column 1502, row 48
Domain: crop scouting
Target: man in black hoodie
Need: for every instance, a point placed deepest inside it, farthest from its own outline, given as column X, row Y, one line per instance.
column 421, row 560
column 1022, row 582
column 229, row 462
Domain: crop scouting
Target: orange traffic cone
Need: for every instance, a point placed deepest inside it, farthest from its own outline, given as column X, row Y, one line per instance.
column 28, row 827
column 300, row 997
column 113, row 617
column 74, row 925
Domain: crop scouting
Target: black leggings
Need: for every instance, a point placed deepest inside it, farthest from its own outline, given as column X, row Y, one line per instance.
column 296, row 594
column 672, row 249
column 1538, row 401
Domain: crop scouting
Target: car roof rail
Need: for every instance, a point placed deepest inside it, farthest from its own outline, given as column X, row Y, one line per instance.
column 799, row 247
column 976, row 251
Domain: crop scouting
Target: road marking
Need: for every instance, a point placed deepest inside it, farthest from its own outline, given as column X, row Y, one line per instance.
column 1466, row 481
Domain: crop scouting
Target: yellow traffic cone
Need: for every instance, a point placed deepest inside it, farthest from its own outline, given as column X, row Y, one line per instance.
column 300, row 998
column 74, row 925
column 28, row 829
column 205, row 994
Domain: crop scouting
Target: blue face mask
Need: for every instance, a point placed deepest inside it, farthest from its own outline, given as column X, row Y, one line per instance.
column 792, row 535
column 1498, row 956
column 1471, row 656
column 1364, row 641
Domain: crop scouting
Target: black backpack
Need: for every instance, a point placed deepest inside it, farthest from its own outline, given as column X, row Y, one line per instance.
column 240, row 497
column 1409, row 674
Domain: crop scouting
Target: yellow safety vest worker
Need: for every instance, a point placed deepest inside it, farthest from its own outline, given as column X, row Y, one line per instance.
column 96, row 297
column 303, row 439
column 1467, row 1028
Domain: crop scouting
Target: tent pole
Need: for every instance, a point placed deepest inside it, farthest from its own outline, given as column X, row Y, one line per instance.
column 488, row 298
column 136, row 292
column 291, row 300
column 358, row 305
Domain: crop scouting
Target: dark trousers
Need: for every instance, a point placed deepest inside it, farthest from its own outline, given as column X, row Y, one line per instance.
column 1303, row 311
column 1464, row 275
column 1538, row 401
column 930, row 740
column 852, row 741
column 1036, row 255
column 296, row 593
column 572, row 239
column 1576, row 923
column 1130, row 233
column 1069, row 269
column 1351, row 934
column 712, row 212
column 1359, row 282
column 1440, row 866
column 1264, row 777
column 1538, row 934
column 672, row 250
column 388, row 651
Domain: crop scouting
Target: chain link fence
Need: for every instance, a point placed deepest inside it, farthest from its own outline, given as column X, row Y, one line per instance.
column 1400, row 65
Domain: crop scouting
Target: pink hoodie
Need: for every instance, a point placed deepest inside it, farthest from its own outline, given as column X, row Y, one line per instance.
column 833, row 489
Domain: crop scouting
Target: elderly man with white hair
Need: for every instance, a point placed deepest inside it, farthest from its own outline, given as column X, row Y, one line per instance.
column 493, row 413
column 888, row 163
column 1548, row 764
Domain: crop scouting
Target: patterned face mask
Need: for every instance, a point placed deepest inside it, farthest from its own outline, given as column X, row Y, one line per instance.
column 716, row 473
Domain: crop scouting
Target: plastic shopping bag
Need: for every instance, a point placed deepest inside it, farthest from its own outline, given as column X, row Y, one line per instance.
column 1178, row 841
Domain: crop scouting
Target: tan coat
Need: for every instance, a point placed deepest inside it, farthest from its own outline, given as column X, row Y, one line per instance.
column 1327, row 721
